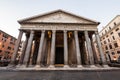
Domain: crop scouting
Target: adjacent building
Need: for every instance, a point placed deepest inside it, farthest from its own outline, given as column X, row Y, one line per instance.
column 110, row 39
column 7, row 43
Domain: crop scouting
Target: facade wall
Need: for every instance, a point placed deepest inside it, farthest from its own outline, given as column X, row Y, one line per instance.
column 7, row 43
column 110, row 39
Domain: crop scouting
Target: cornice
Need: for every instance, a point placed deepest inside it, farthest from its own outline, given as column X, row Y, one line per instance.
column 111, row 30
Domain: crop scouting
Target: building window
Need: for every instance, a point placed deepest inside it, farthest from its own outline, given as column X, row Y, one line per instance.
column 2, row 45
column 115, row 23
column 6, row 52
column 113, row 37
column 117, row 29
column 3, row 39
column 111, row 33
column 9, row 48
column 118, row 52
column 106, row 48
column 113, row 53
column 103, row 37
column 0, row 51
column 107, row 36
column 104, row 42
column 5, row 35
column 119, row 34
column 109, row 27
column 108, row 40
column 12, row 39
column 105, row 31
column 102, row 33
column 116, row 45
column 110, row 46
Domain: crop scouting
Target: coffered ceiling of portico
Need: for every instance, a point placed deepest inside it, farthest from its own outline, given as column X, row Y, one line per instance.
column 58, row 16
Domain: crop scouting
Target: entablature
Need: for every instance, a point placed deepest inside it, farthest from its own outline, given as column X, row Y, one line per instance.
column 70, row 27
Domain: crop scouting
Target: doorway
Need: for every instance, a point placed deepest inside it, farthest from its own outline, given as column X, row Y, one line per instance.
column 59, row 56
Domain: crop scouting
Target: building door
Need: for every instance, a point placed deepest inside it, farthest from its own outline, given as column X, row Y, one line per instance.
column 59, row 56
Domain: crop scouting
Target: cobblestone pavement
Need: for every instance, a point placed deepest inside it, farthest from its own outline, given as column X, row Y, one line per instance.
column 60, row 75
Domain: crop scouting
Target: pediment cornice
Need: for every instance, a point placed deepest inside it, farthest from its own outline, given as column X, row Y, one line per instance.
column 58, row 16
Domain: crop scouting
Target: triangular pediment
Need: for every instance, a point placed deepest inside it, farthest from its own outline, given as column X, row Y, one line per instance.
column 58, row 16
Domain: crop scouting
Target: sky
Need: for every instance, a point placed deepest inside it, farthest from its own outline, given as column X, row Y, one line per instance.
column 11, row 11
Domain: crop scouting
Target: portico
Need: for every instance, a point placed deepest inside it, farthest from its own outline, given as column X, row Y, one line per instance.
column 58, row 39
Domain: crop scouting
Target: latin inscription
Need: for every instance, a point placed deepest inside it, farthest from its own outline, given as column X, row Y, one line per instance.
column 59, row 27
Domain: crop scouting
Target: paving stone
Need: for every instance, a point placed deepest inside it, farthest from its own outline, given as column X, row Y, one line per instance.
column 60, row 75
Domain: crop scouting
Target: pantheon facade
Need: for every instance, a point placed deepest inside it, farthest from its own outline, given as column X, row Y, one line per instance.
column 58, row 39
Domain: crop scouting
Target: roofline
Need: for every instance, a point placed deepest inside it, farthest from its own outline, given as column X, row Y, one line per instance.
column 111, row 29
column 35, row 16
column 80, row 16
column 55, row 23
column 8, row 34
column 109, row 23
column 43, row 14
column 58, row 23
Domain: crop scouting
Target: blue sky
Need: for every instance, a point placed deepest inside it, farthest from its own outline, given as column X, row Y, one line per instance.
column 102, row 11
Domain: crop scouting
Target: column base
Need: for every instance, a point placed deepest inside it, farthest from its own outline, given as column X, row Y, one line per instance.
column 18, row 65
column 37, row 66
column 51, row 66
column 92, row 66
column 79, row 66
column 105, row 66
column 11, row 65
column 66, row 66
column 30, row 65
column 23, row 66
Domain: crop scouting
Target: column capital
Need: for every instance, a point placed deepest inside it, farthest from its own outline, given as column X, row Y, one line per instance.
column 85, row 31
column 27, row 35
column 90, row 37
column 96, row 32
column 43, row 31
column 75, row 31
column 20, row 30
column 65, row 31
column 32, row 31
column 53, row 31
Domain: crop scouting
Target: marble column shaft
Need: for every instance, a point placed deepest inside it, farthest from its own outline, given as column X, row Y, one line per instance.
column 28, row 49
column 77, row 48
column 52, row 58
column 100, row 48
column 90, row 52
column 48, row 55
column 13, row 59
column 40, row 47
column 94, row 52
column 65, row 49
column 23, row 50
